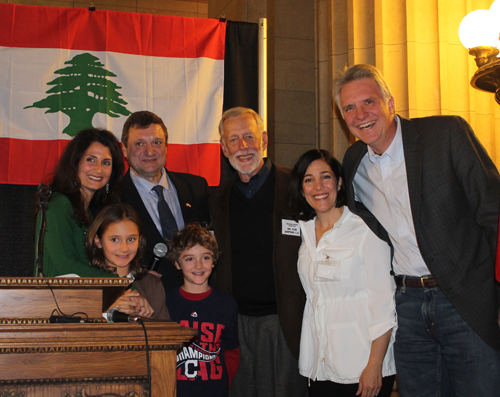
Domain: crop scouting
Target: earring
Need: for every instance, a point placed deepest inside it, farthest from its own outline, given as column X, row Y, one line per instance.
column 107, row 188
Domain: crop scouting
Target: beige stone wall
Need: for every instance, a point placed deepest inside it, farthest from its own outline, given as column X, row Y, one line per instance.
column 415, row 44
column 238, row 10
column 291, row 79
column 182, row 8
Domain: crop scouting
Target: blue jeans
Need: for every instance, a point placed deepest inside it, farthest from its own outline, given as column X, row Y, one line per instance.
column 437, row 353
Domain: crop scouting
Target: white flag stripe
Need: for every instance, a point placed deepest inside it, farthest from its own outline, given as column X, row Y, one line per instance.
column 186, row 93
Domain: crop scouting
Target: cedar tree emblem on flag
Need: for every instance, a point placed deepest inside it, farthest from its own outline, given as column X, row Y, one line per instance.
column 81, row 91
column 66, row 69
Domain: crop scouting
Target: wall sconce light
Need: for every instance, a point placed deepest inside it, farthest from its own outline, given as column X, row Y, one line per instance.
column 479, row 32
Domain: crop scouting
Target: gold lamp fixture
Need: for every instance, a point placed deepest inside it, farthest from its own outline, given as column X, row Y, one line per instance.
column 479, row 32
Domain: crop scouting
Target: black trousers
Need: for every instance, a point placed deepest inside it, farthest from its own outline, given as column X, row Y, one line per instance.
column 332, row 389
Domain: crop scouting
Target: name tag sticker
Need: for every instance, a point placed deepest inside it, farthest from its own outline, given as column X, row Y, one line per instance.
column 290, row 228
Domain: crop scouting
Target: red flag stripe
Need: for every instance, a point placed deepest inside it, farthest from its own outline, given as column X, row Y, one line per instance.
column 131, row 33
column 30, row 162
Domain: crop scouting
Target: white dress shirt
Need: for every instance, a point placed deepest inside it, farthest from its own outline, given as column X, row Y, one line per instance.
column 350, row 300
column 150, row 198
column 381, row 185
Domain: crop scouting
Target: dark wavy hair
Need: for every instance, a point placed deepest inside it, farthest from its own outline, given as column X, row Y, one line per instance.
column 65, row 177
column 142, row 119
column 187, row 238
column 299, row 207
column 112, row 214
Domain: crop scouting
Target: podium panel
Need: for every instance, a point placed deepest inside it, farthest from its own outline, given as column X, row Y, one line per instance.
column 38, row 358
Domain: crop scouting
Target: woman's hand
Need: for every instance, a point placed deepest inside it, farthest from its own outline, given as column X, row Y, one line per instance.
column 370, row 381
column 132, row 303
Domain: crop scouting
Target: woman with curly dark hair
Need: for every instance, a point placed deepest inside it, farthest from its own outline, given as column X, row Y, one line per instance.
column 86, row 178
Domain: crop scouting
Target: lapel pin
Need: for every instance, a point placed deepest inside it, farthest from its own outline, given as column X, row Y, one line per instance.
column 188, row 205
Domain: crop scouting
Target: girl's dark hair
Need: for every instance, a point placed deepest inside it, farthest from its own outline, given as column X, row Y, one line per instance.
column 299, row 207
column 111, row 214
column 187, row 238
column 65, row 178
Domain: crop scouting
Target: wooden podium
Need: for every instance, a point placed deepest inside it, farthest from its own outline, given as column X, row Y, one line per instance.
column 91, row 359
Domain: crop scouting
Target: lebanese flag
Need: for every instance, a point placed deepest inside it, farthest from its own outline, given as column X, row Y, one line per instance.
column 65, row 69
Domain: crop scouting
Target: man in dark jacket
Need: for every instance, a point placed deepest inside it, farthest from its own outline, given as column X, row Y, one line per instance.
column 258, row 261
column 436, row 192
column 164, row 200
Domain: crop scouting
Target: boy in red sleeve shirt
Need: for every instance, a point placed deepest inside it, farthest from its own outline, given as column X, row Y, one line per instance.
column 209, row 363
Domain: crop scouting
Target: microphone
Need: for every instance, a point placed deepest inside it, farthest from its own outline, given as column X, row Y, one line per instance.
column 159, row 251
column 44, row 191
column 116, row 316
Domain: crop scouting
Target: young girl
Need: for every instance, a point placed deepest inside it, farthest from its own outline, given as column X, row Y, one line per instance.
column 116, row 245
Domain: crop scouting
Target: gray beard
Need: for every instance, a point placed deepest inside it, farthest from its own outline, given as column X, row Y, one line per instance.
column 255, row 163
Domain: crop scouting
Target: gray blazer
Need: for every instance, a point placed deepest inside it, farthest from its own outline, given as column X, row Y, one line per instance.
column 454, row 191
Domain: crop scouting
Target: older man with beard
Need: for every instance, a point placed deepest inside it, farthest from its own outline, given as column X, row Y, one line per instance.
column 258, row 263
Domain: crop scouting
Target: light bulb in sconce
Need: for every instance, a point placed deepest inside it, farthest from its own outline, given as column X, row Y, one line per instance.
column 478, row 29
column 479, row 32
column 495, row 14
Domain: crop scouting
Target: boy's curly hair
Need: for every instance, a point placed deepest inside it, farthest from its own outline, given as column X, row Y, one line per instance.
column 187, row 238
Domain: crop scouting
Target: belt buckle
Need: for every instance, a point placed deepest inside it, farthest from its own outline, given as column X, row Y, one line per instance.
column 422, row 279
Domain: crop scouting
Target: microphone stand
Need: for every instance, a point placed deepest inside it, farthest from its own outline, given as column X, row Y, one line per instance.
column 44, row 193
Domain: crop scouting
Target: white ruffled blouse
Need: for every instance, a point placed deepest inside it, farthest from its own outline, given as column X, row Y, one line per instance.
column 350, row 300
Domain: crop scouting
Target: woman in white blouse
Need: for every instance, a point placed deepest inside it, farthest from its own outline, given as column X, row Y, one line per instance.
column 350, row 317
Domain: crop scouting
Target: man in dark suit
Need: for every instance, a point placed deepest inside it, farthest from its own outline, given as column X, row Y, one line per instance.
column 435, row 190
column 258, row 262
column 164, row 200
